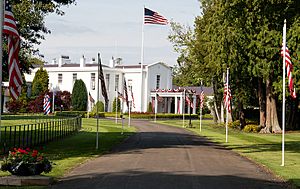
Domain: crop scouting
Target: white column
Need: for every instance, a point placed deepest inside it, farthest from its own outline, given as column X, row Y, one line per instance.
column 194, row 104
column 176, row 105
column 181, row 105
column 169, row 104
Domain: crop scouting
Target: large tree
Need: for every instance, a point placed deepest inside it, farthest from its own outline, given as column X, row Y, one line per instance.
column 79, row 96
column 40, row 82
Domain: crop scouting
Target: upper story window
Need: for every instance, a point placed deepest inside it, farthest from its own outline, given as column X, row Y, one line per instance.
column 74, row 77
column 107, row 81
column 129, row 85
column 93, row 81
column 60, row 78
column 117, row 82
column 157, row 81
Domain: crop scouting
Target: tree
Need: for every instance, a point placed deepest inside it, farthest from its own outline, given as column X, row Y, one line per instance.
column 40, row 82
column 79, row 96
column 118, row 105
column 100, row 106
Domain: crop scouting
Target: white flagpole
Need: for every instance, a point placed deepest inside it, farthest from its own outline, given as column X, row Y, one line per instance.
column 183, row 107
column 227, row 100
column 97, row 110
column 142, row 59
column 129, row 111
column 1, row 55
column 155, row 111
column 283, row 91
column 201, row 107
column 117, row 106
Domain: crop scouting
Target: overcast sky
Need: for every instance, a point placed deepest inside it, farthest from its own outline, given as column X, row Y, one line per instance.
column 114, row 28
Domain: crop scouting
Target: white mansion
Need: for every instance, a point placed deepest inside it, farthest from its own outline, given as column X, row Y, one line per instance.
column 155, row 85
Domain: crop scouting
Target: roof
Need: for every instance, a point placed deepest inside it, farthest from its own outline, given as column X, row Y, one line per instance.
column 208, row 91
column 130, row 66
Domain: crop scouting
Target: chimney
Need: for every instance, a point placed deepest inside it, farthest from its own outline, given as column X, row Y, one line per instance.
column 82, row 61
column 60, row 61
column 112, row 62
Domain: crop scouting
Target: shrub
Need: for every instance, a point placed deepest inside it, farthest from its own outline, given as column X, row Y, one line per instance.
column 234, row 124
column 252, row 128
column 150, row 109
column 100, row 106
column 40, row 82
column 79, row 96
column 119, row 105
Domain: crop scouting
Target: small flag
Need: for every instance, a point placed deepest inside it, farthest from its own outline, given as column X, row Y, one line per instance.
column 101, row 77
column 152, row 17
column 227, row 97
column 120, row 96
column 159, row 98
column 133, row 104
column 126, row 92
column 202, row 98
column 289, row 70
column 92, row 100
column 13, row 38
column 153, row 105
column 46, row 105
column 187, row 99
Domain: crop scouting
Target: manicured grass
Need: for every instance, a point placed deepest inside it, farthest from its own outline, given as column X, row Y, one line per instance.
column 264, row 149
column 71, row 151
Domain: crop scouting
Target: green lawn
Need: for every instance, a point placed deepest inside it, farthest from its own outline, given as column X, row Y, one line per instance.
column 73, row 150
column 264, row 149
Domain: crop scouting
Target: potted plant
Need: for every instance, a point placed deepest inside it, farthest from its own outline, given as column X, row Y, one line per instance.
column 26, row 162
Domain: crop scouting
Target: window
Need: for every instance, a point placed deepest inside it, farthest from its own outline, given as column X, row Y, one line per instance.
column 117, row 82
column 74, row 77
column 129, row 85
column 157, row 81
column 107, row 81
column 93, row 79
column 60, row 78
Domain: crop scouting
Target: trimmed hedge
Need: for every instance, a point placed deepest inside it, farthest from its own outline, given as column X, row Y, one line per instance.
column 161, row 116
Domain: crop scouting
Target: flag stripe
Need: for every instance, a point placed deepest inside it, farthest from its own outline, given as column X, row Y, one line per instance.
column 289, row 70
column 152, row 17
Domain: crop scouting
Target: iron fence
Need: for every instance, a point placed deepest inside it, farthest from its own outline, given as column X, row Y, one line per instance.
column 39, row 133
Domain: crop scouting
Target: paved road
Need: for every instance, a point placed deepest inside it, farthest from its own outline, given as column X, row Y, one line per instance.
column 167, row 157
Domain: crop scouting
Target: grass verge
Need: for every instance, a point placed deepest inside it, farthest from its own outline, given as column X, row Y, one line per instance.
column 74, row 150
column 264, row 149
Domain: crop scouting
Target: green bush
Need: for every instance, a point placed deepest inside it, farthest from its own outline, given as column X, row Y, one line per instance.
column 234, row 125
column 79, row 96
column 71, row 113
column 150, row 110
column 100, row 106
column 252, row 128
column 114, row 105
column 148, row 115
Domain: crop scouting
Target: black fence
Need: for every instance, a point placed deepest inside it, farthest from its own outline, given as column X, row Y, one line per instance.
column 39, row 133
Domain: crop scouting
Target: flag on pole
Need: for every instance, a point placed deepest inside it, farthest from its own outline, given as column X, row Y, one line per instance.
column 187, row 99
column 46, row 105
column 202, row 98
column 159, row 98
column 289, row 70
column 227, row 97
column 132, row 99
column 152, row 17
column 13, row 38
column 126, row 92
column 92, row 100
column 120, row 96
column 103, row 87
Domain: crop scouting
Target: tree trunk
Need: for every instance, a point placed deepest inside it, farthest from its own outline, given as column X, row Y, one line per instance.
column 262, row 103
column 241, row 115
column 291, row 123
column 272, row 124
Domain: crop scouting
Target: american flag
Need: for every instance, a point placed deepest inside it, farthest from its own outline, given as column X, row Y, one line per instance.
column 201, row 98
column 289, row 69
column 152, row 17
column 189, row 101
column 46, row 105
column 13, row 38
column 227, row 97
column 92, row 100
column 159, row 98
column 132, row 99
column 126, row 92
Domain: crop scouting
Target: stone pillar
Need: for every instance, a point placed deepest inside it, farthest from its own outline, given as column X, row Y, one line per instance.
column 176, row 105
column 194, row 104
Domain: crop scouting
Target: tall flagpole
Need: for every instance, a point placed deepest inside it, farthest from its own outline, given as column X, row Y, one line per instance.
column 1, row 55
column 201, row 107
column 183, row 107
column 155, row 105
column 97, row 109
column 227, row 101
column 142, row 59
column 117, row 106
column 283, row 90
column 129, row 112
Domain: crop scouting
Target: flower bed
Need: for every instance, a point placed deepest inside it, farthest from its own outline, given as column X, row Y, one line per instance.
column 26, row 162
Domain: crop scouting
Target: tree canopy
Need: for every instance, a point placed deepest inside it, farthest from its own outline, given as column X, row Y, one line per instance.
column 79, row 96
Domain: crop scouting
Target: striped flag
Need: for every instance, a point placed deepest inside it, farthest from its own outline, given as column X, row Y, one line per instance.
column 92, row 100
column 46, row 105
column 101, row 77
column 152, row 17
column 13, row 38
column 201, row 98
column 289, row 70
column 126, row 92
column 159, row 98
column 227, row 97
column 187, row 99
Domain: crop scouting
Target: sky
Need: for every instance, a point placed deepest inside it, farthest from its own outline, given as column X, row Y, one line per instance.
column 114, row 28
